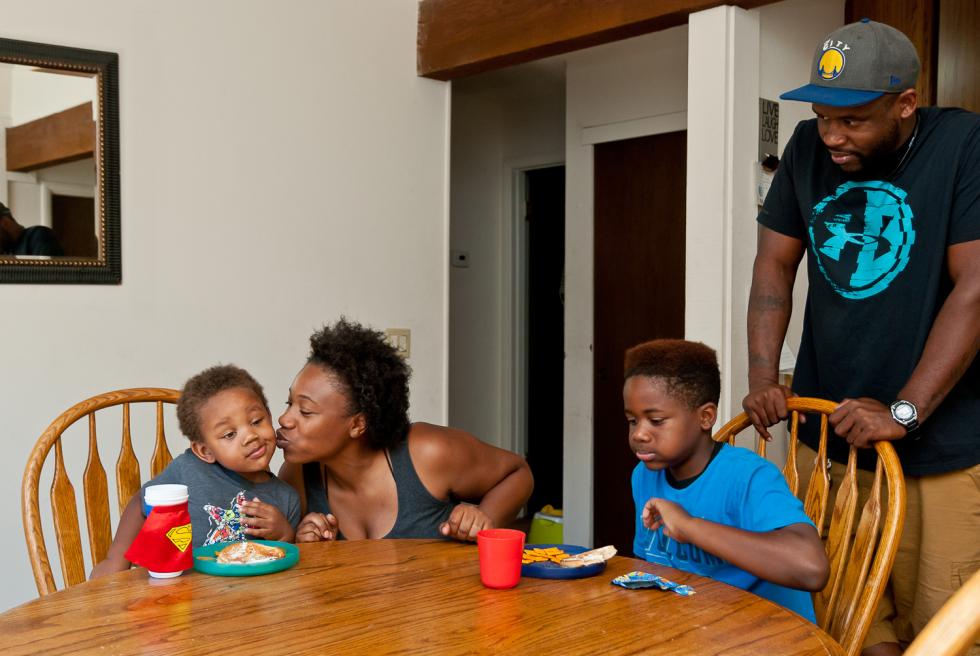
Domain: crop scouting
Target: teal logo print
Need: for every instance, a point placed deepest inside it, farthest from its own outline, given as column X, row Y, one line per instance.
column 861, row 236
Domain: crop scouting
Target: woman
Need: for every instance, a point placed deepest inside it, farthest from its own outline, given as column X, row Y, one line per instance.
column 365, row 471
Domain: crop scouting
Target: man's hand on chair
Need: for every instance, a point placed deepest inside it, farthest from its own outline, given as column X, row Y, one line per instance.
column 765, row 406
column 864, row 421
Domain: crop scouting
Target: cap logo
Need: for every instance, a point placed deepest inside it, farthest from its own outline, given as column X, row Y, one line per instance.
column 831, row 62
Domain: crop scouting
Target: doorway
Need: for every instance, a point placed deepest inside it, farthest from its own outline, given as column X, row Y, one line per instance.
column 545, row 329
column 640, row 187
column 73, row 221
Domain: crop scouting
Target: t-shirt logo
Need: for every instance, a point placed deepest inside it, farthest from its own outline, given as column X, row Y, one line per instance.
column 861, row 236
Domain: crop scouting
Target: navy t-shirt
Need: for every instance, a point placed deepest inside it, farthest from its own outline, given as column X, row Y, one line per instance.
column 876, row 261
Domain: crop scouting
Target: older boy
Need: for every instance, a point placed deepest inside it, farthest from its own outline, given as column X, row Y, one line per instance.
column 704, row 506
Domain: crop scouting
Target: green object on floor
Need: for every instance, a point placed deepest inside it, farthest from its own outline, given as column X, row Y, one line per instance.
column 546, row 527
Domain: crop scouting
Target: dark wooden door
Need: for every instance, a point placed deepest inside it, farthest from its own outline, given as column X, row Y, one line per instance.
column 73, row 221
column 545, row 332
column 639, row 295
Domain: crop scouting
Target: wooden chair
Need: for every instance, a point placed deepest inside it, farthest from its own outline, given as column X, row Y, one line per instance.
column 861, row 551
column 63, row 507
column 955, row 628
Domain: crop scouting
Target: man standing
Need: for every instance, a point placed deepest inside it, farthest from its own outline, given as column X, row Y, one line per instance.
column 884, row 197
column 15, row 239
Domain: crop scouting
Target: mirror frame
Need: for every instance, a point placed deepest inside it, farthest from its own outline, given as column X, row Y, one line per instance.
column 107, row 268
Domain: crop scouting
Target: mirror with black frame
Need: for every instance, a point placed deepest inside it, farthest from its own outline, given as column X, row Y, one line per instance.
column 59, row 165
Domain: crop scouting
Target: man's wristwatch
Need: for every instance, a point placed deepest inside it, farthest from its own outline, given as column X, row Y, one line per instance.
column 905, row 414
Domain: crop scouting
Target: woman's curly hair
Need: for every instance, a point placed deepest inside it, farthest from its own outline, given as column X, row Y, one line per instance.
column 374, row 375
column 202, row 387
column 688, row 369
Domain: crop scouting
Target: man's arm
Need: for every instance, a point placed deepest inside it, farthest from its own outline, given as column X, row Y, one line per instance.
column 770, row 305
column 949, row 351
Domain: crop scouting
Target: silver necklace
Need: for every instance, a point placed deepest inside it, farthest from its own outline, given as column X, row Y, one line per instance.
column 908, row 149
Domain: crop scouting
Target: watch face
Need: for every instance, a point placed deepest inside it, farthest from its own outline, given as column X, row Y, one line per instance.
column 904, row 411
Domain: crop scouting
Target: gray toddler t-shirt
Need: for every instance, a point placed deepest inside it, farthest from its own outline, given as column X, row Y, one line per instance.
column 215, row 495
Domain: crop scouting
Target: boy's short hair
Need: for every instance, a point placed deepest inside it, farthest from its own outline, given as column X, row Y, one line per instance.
column 202, row 387
column 374, row 376
column 689, row 369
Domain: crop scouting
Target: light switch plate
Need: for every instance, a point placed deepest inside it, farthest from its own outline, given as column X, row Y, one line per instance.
column 401, row 339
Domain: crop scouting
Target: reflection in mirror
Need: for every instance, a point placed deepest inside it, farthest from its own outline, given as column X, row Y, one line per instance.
column 59, row 192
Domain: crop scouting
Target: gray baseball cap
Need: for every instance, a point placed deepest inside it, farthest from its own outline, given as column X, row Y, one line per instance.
column 859, row 63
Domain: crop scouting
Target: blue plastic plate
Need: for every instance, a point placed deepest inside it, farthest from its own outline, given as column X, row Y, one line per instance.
column 549, row 570
column 204, row 560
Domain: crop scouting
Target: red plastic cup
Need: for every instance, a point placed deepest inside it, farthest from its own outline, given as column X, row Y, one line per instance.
column 500, row 557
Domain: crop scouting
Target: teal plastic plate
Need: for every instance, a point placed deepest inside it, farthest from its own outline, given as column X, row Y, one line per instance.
column 204, row 560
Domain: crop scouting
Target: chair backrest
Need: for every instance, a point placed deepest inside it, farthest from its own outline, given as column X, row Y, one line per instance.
column 95, row 486
column 955, row 628
column 861, row 550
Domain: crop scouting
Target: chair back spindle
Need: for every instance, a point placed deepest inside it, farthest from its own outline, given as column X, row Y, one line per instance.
column 96, row 489
column 66, row 521
column 161, row 454
column 127, row 466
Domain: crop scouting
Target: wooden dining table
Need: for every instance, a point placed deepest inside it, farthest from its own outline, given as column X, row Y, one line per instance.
column 397, row 597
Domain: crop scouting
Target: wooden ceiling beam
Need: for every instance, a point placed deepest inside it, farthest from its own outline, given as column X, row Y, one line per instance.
column 65, row 136
column 457, row 38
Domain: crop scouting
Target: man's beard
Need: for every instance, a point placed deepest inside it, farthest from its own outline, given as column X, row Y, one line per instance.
column 883, row 156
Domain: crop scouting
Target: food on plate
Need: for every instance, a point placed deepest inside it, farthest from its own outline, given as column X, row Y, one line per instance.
column 543, row 555
column 249, row 553
column 593, row 557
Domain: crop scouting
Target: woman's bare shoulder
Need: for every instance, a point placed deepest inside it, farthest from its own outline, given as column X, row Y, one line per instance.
column 432, row 446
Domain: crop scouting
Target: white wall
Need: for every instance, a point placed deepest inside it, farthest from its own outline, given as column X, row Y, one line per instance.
column 621, row 90
column 281, row 164
column 741, row 56
column 502, row 122
column 788, row 34
column 35, row 93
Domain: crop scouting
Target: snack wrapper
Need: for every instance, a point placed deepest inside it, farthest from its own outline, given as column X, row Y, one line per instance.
column 636, row 580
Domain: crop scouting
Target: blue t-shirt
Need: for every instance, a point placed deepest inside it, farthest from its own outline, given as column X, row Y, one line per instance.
column 737, row 488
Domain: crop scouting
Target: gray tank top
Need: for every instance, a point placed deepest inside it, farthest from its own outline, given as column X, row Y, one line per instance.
column 419, row 513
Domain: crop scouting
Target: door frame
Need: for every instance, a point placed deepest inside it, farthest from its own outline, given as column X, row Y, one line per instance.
column 513, row 297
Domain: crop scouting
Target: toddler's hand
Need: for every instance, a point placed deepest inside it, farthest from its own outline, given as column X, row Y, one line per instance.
column 465, row 522
column 263, row 520
column 317, row 527
column 674, row 519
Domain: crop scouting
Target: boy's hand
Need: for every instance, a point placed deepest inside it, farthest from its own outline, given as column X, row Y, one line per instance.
column 263, row 520
column 674, row 519
column 317, row 527
column 465, row 522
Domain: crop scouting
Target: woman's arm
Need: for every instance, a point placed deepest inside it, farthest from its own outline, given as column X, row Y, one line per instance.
column 129, row 527
column 453, row 463
column 792, row 556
